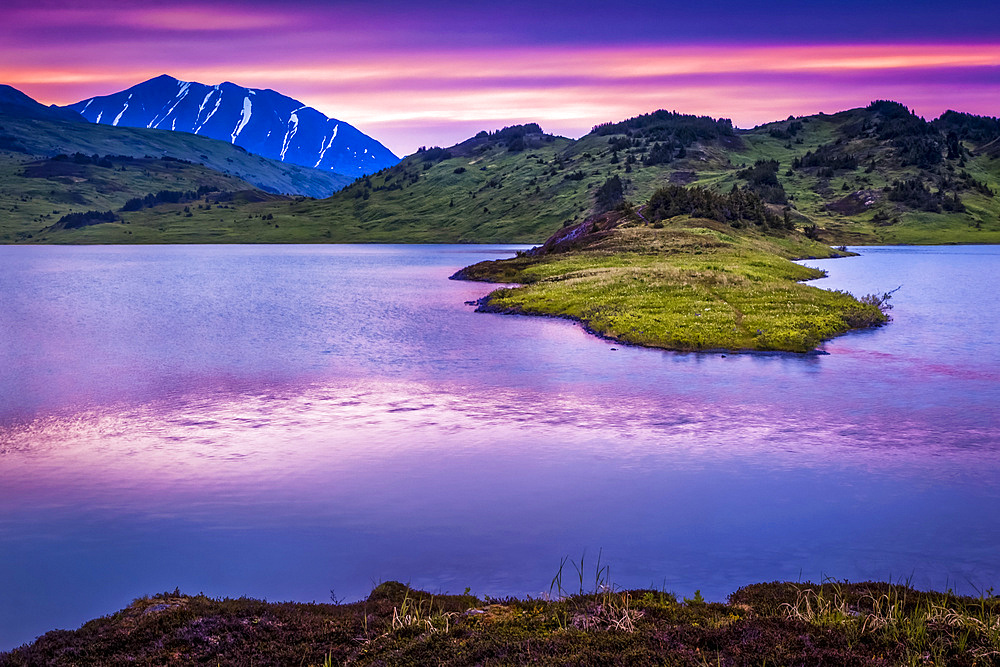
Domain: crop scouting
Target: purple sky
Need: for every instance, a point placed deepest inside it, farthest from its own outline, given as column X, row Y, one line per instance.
column 435, row 72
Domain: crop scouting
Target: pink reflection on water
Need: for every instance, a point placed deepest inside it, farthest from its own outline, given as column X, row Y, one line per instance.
column 915, row 367
column 362, row 440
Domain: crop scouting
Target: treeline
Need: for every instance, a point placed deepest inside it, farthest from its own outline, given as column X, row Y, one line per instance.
column 739, row 207
column 167, row 197
column 108, row 160
column 975, row 129
column 669, row 125
column 433, row 154
column 663, row 135
column 514, row 137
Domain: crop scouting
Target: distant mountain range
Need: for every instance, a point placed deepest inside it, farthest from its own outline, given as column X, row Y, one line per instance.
column 54, row 163
column 263, row 122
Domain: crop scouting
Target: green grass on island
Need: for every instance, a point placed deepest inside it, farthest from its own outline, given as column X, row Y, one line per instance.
column 806, row 624
column 683, row 284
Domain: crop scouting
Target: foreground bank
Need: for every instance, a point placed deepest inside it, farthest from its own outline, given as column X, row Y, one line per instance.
column 764, row 624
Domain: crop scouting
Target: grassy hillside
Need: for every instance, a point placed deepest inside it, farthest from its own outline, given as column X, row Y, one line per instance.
column 870, row 623
column 882, row 175
column 836, row 172
column 872, row 175
column 27, row 137
column 35, row 194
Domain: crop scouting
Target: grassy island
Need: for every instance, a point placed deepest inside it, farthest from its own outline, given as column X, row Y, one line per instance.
column 763, row 624
column 679, row 283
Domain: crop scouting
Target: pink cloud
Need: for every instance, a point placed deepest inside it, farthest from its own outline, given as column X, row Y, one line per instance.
column 409, row 98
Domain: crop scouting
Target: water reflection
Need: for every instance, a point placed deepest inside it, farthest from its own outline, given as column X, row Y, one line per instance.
column 279, row 421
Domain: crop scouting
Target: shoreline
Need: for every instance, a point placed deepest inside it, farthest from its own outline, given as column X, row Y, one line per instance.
column 650, row 287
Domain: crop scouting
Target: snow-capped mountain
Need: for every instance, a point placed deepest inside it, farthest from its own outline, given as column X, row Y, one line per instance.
column 261, row 121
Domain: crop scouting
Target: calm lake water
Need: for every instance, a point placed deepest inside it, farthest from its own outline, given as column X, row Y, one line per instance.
column 280, row 421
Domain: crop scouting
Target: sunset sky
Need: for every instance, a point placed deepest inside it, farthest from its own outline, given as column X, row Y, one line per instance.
column 437, row 71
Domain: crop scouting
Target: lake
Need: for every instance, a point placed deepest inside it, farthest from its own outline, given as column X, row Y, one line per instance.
column 280, row 421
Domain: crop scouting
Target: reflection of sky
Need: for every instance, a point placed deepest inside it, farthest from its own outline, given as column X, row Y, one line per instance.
column 277, row 421
column 438, row 72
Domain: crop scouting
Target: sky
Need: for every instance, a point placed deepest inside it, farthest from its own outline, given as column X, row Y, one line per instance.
column 435, row 72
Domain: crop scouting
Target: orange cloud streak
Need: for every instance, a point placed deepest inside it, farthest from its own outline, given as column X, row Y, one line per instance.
column 571, row 86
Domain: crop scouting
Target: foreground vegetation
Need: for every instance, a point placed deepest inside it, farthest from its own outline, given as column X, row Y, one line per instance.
column 764, row 624
column 682, row 284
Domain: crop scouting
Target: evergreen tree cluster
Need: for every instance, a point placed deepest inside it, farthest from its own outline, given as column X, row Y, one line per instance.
column 666, row 135
column 85, row 219
column 917, row 142
column 661, row 153
column 514, row 137
column 895, row 121
column 965, row 181
column 789, row 132
column 669, row 125
column 921, row 151
column 827, row 157
column 967, row 127
column 915, row 194
column 433, row 154
column 623, row 143
column 737, row 208
column 610, row 195
column 167, row 197
column 762, row 178
column 97, row 160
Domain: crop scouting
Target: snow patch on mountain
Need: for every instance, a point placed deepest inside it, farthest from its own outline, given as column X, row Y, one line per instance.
column 327, row 147
column 293, row 120
column 244, row 119
column 122, row 112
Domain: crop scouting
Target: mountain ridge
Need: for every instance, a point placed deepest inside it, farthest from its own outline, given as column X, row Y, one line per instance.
column 261, row 121
column 14, row 102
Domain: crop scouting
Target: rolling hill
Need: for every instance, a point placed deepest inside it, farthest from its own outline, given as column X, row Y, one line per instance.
column 55, row 163
column 877, row 174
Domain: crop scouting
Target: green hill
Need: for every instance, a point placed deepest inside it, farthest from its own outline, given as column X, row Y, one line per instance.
column 45, row 137
column 874, row 175
column 37, row 194
column 54, row 163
